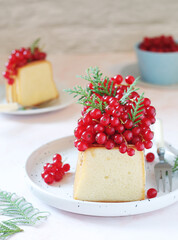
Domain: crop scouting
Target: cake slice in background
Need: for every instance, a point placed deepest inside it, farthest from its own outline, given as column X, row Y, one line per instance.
column 29, row 77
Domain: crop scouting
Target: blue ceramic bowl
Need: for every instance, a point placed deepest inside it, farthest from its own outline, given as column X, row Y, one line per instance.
column 158, row 68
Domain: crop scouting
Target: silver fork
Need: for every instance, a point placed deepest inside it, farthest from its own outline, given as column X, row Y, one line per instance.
column 162, row 168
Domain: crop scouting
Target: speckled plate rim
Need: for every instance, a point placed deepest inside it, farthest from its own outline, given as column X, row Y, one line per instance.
column 96, row 208
column 63, row 101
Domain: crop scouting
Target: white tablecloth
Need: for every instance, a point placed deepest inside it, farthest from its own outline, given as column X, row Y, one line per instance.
column 21, row 135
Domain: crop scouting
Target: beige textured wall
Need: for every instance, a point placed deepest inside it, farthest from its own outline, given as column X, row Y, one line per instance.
column 84, row 26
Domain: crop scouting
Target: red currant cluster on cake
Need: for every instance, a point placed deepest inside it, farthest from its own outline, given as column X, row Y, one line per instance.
column 20, row 58
column 159, row 44
column 114, row 115
column 54, row 172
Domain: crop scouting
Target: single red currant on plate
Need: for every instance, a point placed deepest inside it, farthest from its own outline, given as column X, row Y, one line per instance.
column 151, row 193
column 150, row 157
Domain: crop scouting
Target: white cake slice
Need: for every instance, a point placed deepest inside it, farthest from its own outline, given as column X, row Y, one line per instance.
column 108, row 176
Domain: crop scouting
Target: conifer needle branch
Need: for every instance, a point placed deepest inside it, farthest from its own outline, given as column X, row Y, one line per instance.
column 129, row 91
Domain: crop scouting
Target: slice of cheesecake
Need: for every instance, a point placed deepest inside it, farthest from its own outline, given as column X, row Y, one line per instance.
column 109, row 176
column 33, row 84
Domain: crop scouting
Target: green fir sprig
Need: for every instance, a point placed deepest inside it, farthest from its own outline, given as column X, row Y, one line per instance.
column 136, row 110
column 101, row 85
column 7, row 229
column 87, row 98
column 34, row 45
column 127, row 93
column 21, row 211
column 175, row 167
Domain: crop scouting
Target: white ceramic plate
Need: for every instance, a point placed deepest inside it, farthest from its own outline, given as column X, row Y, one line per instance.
column 63, row 101
column 60, row 195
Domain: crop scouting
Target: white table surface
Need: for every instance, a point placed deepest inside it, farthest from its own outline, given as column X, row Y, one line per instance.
column 21, row 135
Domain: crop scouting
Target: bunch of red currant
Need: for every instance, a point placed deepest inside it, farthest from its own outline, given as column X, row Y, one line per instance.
column 121, row 125
column 54, row 172
column 159, row 44
column 19, row 58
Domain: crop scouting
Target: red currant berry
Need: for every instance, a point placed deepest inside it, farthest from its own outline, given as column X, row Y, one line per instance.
column 118, row 79
column 134, row 95
column 120, row 128
column 6, row 74
column 57, row 157
column 46, row 166
column 88, row 137
column 78, row 131
column 114, row 103
column 109, row 109
column 101, row 138
column 118, row 138
column 109, row 144
column 96, row 113
column 148, row 144
column 128, row 135
column 87, row 119
column 151, row 193
column 128, row 124
column 43, row 174
column 151, row 111
column 136, row 139
column 146, row 122
column 42, row 55
column 131, row 151
column 10, row 81
column 98, row 128
column 150, row 157
column 115, row 121
column 66, row 167
column 139, row 146
column 27, row 54
column 118, row 96
column 51, row 168
column 12, row 59
column 49, row 178
column 82, row 146
column 90, row 128
column 90, row 85
column 105, row 120
column 58, row 175
column 110, row 130
column 152, row 120
column 146, row 102
column 129, row 79
column 57, row 163
column 80, row 122
column 124, row 116
column 136, row 131
column 116, row 113
column 76, row 142
column 123, row 148
column 148, row 135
